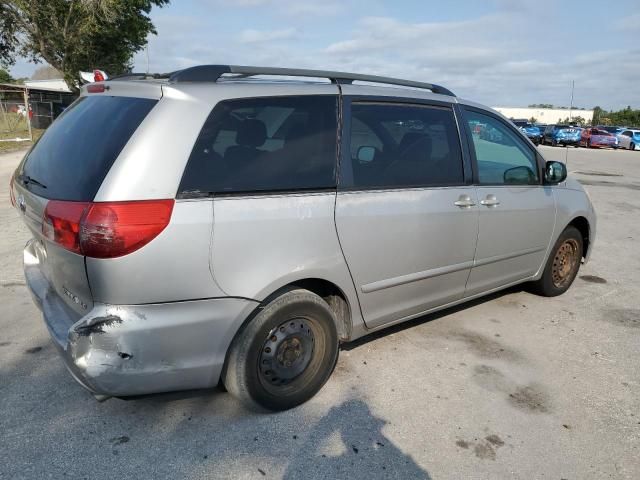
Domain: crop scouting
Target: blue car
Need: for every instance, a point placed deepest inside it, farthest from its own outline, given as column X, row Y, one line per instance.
column 562, row 135
column 532, row 132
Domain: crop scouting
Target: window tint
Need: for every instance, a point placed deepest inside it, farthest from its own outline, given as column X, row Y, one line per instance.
column 78, row 149
column 404, row 145
column 264, row 144
column 503, row 157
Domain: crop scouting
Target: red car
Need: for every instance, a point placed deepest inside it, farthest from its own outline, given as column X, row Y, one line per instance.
column 592, row 137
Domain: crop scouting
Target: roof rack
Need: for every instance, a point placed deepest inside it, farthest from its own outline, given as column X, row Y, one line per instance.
column 211, row 73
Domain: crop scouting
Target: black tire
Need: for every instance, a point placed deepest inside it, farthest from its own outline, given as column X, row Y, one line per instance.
column 632, row 146
column 558, row 275
column 302, row 329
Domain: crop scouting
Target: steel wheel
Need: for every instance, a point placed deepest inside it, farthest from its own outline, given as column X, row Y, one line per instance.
column 287, row 352
column 564, row 263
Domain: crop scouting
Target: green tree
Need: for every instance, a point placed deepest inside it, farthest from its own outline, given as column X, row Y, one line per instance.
column 75, row 35
column 597, row 115
column 5, row 77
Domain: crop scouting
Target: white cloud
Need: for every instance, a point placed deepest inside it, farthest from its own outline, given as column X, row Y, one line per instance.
column 629, row 22
column 257, row 36
column 499, row 58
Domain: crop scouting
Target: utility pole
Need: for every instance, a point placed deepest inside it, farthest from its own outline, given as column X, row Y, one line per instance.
column 573, row 84
column 28, row 116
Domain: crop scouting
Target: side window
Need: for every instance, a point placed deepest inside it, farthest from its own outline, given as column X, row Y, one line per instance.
column 265, row 144
column 503, row 158
column 395, row 146
column 362, row 135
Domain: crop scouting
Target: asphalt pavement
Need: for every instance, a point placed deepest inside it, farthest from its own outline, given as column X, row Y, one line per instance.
column 510, row 386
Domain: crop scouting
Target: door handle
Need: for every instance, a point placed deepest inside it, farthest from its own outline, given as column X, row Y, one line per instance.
column 464, row 201
column 490, row 201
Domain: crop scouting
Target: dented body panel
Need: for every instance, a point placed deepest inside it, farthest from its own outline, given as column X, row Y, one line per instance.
column 137, row 349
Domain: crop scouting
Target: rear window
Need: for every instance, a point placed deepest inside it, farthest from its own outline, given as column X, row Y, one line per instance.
column 265, row 144
column 71, row 159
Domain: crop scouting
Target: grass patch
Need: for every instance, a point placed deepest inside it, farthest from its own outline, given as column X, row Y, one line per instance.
column 13, row 125
column 10, row 146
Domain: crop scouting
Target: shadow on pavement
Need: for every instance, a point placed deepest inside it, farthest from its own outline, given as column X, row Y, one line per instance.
column 348, row 442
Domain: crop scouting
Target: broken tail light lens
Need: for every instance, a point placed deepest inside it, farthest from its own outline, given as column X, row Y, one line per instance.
column 105, row 229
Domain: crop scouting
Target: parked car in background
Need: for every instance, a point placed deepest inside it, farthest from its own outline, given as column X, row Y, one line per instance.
column 563, row 135
column 327, row 228
column 630, row 139
column 616, row 131
column 597, row 138
column 532, row 131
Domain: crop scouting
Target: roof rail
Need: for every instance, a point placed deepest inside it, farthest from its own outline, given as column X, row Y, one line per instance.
column 211, row 73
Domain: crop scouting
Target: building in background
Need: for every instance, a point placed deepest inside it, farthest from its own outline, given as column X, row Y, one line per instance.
column 546, row 115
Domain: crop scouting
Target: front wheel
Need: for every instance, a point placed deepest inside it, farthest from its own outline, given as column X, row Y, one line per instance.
column 562, row 266
column 285, row 354
column 632, row 146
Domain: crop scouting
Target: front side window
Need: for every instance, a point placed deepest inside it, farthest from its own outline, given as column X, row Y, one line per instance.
column 265, row 144
column 503, row 158
column 394, row 146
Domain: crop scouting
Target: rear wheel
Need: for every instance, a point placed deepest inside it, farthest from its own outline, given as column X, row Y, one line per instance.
column 632, row 146
column 562, row 266
column 285, row 354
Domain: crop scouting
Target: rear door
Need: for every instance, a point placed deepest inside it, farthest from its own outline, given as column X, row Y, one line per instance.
column 516, row 212
column 68, row 164
column 406, row 219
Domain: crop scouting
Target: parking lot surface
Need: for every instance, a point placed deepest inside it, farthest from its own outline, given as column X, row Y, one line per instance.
column 510, row 386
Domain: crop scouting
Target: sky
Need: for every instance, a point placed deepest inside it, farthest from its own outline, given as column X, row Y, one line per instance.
column 496, row 52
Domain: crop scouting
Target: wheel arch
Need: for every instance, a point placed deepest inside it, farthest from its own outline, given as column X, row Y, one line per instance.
column 583, row 226
column 331, row 293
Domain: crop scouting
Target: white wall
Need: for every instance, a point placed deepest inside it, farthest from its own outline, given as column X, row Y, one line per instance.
column 57, row 85
column 544, row 115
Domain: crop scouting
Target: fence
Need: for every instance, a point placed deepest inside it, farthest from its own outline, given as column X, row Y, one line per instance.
column 16, row 121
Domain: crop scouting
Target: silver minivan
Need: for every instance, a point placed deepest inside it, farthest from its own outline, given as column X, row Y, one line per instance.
column 236, row 224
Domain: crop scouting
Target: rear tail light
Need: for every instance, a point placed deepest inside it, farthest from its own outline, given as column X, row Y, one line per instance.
column 105, row 229
column 96, row 88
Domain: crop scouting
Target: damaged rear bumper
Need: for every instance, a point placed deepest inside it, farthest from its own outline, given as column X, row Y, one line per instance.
column 120, row 350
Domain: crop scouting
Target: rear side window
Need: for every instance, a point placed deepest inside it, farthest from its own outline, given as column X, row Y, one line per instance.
column 75, row 153
column 265, row 144
column 395, row 146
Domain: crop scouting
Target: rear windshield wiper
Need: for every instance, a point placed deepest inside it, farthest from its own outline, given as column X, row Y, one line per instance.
column 26, row 179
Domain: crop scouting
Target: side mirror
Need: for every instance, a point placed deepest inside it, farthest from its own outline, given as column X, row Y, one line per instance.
column 520, row 176
column 554, row 173
column 366, row 154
